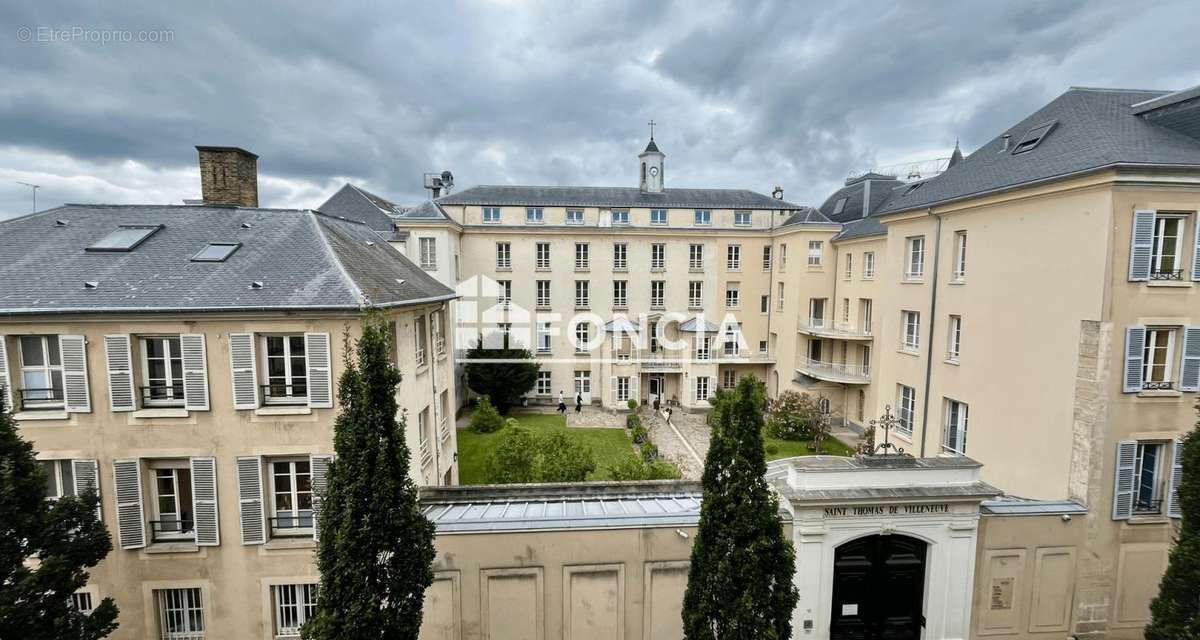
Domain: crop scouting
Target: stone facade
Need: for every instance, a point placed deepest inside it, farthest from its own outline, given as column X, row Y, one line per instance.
column 228, row 175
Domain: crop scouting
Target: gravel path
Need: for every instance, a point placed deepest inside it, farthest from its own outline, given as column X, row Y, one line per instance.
column 685, row 445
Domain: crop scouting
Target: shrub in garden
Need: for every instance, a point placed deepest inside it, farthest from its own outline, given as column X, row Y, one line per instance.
column 649, row 451
column 514, row 459
column 486, row 419
column 771, row 449
column 632, row 421
column 640, row 434
column 562, row 459
column 632, row 404
column 793, row 416
column 634, row 469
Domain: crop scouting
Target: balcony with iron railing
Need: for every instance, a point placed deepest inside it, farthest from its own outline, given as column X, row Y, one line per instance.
column 439, row 346
column 825, row 329
column 297, row 525
column 162, row 395
column 834, row 372
column 171, row 530
column 1166, row 274
column 443, row 429
column 39, row 398
column 426, row 453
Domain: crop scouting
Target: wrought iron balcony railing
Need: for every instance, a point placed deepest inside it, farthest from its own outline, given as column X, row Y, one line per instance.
column 283, row 392
column 835, row 372
column 166, row 530
column 1166, row 274
column 34, row 398
column 297, row 525
column 160, row 394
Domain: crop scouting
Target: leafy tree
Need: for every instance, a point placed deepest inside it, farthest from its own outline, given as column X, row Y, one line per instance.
column 562, row 459
column 376, row 547
column 793, row 416
column 514, row 460
column 1175, row 612
column 64, row 537
column 486, row 419
column 504, row 382
column 740, row 579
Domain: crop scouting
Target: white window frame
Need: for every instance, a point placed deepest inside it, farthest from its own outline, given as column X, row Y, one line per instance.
column 620, row 293
column 766, row 258
column 656, row 214
column 695, row 257
column 658, row 255
column 170, row 470
column 733, row 257
column 46, row 370
column 491, row 215
column 702, row 217
column 815, row 319
column 623, row 388
column 782, row 257
column 868, row 270
column 504, row 295
column 906, row 409
column 780, row 297
column 83, row 602
column 583, row 337
column 504, row 256
column 1158, row 474
column 574, row 216
column 733, row 295
column 695, row 294
column 815, row 249
column 865, row 308
column 960, row 255
column 545, row 384
column 658, row 294
column 56, row 471
column 910, row 330
column 741, row 218
column 914, row 258
column 1158, row 246
column 728, row 379
column 764, row 304
column 620, row 217
column 542, row 255
column 535, row 215
column 542, row 288
column 289, row 395
column 1155, row 335
column 620, row 256
column 180, row 613
column 954, row 338
column 543, row 337
column 583, row 257
column 849, row 273
column 583, row 292
column 292, row 602
column 703, row 347
column 428, row 253
column 954, row 430
column 702, row 390
column 294, row 494
column 171, row 383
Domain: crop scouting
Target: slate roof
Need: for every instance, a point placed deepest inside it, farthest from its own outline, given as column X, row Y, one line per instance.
column 651, row 148
column 862, row 228
column 356, row 203
column 881, row 187
column 805, row 215
column 304, row 260
column 1095, row 128
column 505, row 195
column 428, row 210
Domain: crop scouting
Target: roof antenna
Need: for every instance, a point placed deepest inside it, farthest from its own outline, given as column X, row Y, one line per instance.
column 1004, row 143
column 35, row 187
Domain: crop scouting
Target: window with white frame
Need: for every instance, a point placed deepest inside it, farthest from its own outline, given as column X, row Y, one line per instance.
column 728, row 379
column 543, row 337
column 657, row 295
column 491, row 215
column 543, row 383
column 840, row 205
column 286, row 368
column 1158, row 358
column 814, row 253
column 960, row 255
column 696, row 256
column 741, row 218
column 295, row 605
column 423, row 435
column 864, row 311
column 816, row 312
column 542, row 255
column 954, row 339
column 620, row 216
column 906, row 408
column 782, row 256
column 702, row 344
column 622, row 388
column 695, row 294
column 439, row 336
column 503, row 255
column 428, row 252
column 620, row 291
column 733, row 338
column 658, row 255
column 910, row 323
column 779, row 297
column 534, row 215
column 583, row 337
column 162, row 371
column 733, row 257
column 702, row 217
column 421, row 339
column 620, row 252
column 766, row 258
column 701, row 388
column 764, row 304
column 733, row 295
column 868, row 268
column 291, row 497
column 41, row 372
column 914, row 263
column 172, row 506
column 60, row 478
column 762, row 346
column 543, row 294
column 1149, row 476
column 582, row 256
column 582, row 293
column 503, row 292
column 180, row 614
column 1166, row 255
column 954, row 435
column 849, row 273
column 574, row 216
column 865, row 359
column 81, row 601
column 658, row 216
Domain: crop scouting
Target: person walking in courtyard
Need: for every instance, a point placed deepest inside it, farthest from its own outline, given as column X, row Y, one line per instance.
column 578, row 403
column 562, row 404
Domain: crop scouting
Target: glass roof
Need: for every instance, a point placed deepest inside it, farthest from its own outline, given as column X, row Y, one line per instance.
column 125, row 238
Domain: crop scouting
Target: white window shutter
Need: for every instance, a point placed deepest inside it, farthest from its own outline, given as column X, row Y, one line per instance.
column 319, row 465
column 1189, row 373
column 1123, row 483
column 1141, row 245
column 1196, row 252
column 250, row 500
column 195, row 371
column 1174, row 509
column 204, row 501
column 634, row 385
column 73, row 350
column 612, row 385
column 119, row 358
column 320, row 381
column 1135, row 345
column 5, row 385
column 127, row 486
column 87, row 477
column 243, row 370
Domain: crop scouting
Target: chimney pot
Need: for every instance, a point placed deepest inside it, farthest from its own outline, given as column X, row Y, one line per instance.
column 1004, row 143
column 229, row 176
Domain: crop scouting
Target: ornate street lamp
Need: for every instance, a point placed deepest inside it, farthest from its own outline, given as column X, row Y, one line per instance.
column 887, row 422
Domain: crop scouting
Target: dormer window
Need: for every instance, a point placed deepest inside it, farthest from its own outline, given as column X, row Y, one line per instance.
column 216, row 252
column 839, row 206
column 1033, row 137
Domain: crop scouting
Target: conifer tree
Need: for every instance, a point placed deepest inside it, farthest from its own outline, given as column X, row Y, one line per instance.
column 740, row 579
column 376, row 547
column 1175, row 612
column 63, row 537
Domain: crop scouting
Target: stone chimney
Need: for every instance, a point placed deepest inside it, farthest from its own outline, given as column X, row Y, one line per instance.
column 228, row 175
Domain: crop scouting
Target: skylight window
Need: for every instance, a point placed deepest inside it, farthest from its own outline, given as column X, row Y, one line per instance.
column 1034, row 137
column 126, row 238
column 839, row 206
column 216, row 252
column 912, row 187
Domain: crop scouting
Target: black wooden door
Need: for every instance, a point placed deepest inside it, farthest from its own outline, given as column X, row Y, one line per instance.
column 878, row 589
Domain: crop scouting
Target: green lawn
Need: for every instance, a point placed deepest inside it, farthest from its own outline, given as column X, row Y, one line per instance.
column 610, row 446
column 789, row 448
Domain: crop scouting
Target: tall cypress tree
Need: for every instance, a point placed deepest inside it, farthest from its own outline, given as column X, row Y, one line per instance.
column 740, row 580
column 64, row 537
column 1175, row 612
column 376, row 547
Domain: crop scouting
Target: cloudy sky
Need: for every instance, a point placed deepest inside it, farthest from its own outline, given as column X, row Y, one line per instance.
column 747, row 95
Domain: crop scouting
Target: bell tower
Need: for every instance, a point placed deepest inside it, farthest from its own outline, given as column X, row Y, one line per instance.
column 650, row 166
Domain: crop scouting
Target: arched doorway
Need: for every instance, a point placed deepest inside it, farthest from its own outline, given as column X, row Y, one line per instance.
column 878, row 589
